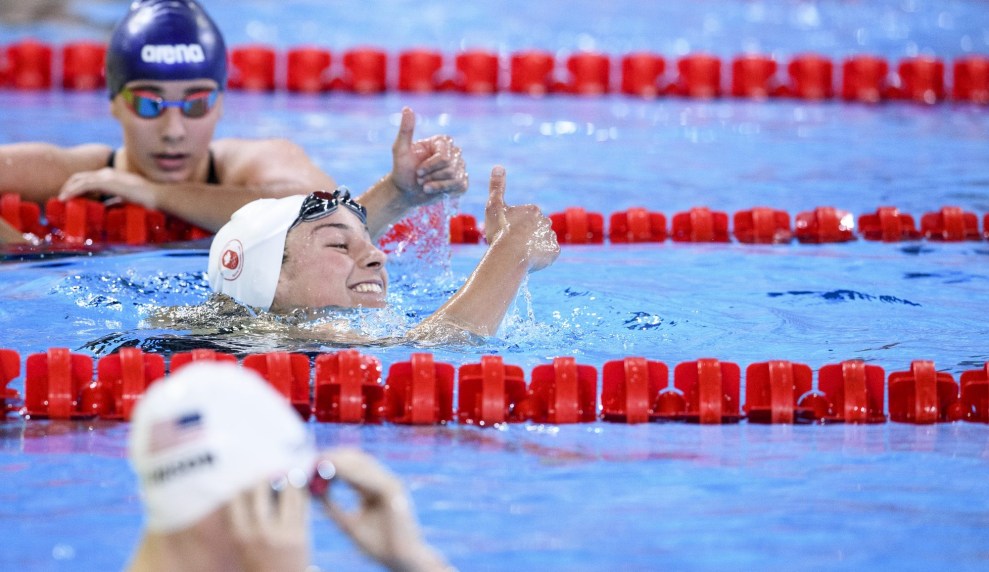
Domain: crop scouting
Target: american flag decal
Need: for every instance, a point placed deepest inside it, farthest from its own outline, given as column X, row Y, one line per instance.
column 176, row 431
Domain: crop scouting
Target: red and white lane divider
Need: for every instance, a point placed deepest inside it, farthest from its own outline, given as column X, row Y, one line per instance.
column 32, row 65
column 347, row 387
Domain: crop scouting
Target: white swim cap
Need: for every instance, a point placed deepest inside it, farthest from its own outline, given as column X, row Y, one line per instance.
column 207, row 433
column 245, row 259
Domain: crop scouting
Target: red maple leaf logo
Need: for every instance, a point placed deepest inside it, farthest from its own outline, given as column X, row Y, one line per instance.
column 230, row 260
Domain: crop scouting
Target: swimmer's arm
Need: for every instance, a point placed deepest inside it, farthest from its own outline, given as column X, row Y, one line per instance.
column 385, row 204
column 37, row 171
column 480, row 305
column 522, row 241
column 249, row 169
column 10, row 235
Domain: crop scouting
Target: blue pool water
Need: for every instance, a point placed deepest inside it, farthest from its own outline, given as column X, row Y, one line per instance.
column 595, row 496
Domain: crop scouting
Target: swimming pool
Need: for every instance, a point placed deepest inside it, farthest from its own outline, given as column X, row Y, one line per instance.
column 594, row 496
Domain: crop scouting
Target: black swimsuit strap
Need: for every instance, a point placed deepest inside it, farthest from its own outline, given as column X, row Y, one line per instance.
column 212, row 178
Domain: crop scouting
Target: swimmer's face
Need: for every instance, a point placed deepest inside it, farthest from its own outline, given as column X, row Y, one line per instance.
column 170, row 148
column 331, row 262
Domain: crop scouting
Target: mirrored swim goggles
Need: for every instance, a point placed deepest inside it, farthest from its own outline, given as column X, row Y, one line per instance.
column 321, row 204
column 149, row 105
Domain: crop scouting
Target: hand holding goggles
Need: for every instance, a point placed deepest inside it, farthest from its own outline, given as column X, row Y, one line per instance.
column 149, row 105
column 321, row 204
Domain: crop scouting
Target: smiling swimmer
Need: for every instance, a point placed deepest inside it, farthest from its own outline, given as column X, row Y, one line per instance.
column 305, row 251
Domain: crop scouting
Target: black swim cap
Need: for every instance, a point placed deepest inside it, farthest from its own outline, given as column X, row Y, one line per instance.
column 165, row 40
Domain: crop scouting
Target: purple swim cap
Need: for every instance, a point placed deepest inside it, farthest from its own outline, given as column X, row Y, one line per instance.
column 165, row 40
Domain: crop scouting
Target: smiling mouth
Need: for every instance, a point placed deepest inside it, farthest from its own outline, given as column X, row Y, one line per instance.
column 368, row 288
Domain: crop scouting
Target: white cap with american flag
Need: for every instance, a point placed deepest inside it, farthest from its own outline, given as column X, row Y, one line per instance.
column 207, row 433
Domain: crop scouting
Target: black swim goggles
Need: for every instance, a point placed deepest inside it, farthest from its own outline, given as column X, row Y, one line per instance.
column 150, row 105
column 322, row 204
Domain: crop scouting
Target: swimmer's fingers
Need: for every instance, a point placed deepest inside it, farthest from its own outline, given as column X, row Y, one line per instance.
column 126, row 186
column 271, row 527
column 407, row 126
column 495, row 210
column 441, row 168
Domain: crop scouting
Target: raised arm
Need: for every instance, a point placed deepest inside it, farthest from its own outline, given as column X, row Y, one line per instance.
column 521, row 241
column 423, row 171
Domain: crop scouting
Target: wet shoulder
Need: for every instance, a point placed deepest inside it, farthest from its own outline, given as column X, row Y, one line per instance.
column 240, row 160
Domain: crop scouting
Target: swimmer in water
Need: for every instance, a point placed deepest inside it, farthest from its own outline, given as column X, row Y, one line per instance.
column 166, row 70
column 227, row 469
column 304, row 251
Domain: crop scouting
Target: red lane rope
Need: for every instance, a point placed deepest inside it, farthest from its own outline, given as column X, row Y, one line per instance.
column 31, row 65
column 347, row 387
column 83, row 221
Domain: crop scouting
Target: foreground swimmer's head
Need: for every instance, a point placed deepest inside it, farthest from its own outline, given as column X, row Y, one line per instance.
column 195, row 447
column 299, row 252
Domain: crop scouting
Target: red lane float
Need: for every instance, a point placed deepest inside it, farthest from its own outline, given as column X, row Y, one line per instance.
column 700, row 224
column 463, row 229
column 699, row 77
column 971, row 80
column 133, row 224
column 252, row 68
column 773, row 392
column 823, row 225
column 419, row 391
column 53, row 385
column 83, row 66
column 477, row 72
column 888, row 224
column 25, row 216
column 864, row 79
column 365, row 71
column 532, row 72
column 630, row 389
column 854, row 392
column 348, row 388
column 754, row 77
column 922, row 395
column 642, row 73
column 577, row 226
column 563, row 392
column 76, row 220
column 288, row 374
column 121, row 380
column 491, row 392
column 974, row 394
column 29, row 65
column 950, row 224
column 921, row 80
column 418, row 70
column 762, row 225
column 308, row 69
column 811, row 77
column 705, row 391
column 590, row 74
column 637, row 225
